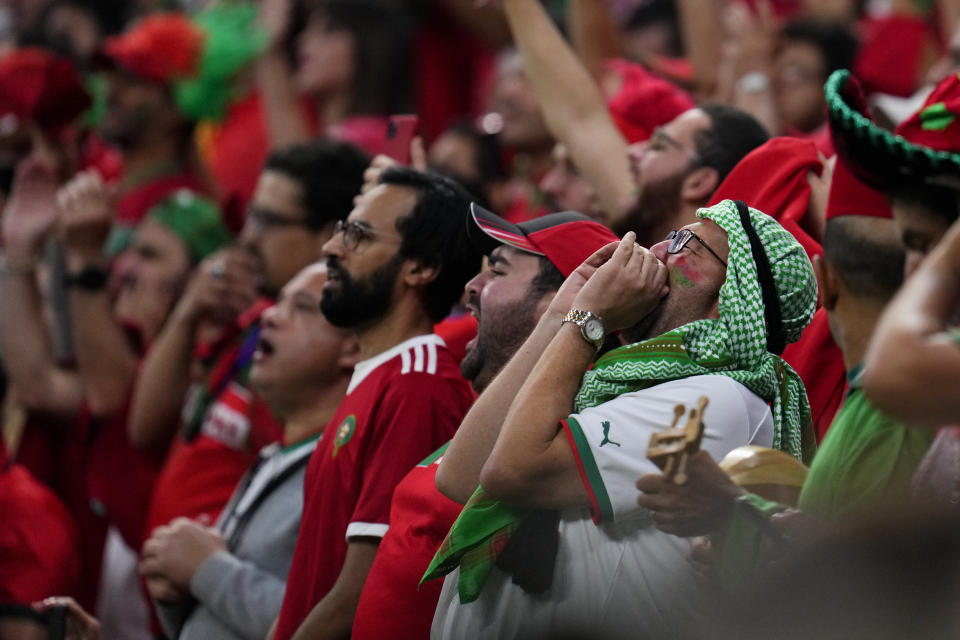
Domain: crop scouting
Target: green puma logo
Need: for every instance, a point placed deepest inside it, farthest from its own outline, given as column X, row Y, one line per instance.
column 606, row 434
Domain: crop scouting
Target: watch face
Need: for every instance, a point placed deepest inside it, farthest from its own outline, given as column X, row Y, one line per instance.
column 593, row 329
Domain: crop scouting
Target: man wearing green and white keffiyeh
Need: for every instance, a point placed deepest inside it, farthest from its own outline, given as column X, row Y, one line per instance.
column 712, row 335
column 735, row 344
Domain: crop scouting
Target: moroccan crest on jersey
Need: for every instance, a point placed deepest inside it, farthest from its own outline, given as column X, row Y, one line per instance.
column 344, row 433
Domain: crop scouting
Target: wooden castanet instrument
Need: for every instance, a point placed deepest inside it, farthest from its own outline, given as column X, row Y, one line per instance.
column 670, row 448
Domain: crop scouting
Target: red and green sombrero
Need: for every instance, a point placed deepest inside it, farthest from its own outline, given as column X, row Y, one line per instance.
column 924, row 149
column 198, row 57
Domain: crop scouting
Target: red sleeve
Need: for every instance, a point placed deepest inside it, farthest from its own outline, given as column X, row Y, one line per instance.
column 417, row 413
column 819, row 361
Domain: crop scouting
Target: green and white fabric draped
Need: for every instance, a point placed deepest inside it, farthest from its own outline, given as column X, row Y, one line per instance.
column 733, row 345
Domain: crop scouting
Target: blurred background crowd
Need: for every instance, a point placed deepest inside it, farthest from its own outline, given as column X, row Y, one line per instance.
column 173, row 171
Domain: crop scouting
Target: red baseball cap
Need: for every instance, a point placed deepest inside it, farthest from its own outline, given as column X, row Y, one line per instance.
column 566, row 239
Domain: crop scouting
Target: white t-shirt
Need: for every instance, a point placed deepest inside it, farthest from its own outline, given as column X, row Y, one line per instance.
column 620, row 577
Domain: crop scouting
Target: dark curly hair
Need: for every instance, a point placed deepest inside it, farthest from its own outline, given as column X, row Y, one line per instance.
column 329, row 172
column 435, row 233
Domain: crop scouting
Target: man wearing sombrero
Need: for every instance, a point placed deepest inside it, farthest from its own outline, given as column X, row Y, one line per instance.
column 166, row 73
column 918, row 167
column 912, row 364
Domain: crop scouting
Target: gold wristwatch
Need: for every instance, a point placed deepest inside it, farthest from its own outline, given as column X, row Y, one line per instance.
column 591, row 326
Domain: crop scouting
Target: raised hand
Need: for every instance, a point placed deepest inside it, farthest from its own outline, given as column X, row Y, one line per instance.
column 222, row 287
column 275, row 19
column 751, row 37
column 87, row 214
column 563, row 301
column 626, row 287
column 31, row 211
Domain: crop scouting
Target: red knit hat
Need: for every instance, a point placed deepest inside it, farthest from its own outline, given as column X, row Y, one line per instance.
column 644, row 101
column 160, row 48
column 39, row 87
column 773, row 179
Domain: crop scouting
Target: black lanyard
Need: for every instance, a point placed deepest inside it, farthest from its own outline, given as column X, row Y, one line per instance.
column 243, row 519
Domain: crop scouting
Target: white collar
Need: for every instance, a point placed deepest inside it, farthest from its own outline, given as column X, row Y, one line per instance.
column 364, row 368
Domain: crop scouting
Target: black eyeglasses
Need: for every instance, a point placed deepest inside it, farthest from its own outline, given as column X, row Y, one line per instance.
column 680, row 239
column 662, row 140
column 265, row 218
column 353, row 232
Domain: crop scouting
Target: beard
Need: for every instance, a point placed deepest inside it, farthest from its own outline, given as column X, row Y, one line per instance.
column 673, row 311
column 356, row 302
column 124, row 129
column 500, row 333
column 657, row 202
column 644, row 329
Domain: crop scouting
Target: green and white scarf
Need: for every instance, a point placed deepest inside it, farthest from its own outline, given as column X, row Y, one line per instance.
column 733, row 345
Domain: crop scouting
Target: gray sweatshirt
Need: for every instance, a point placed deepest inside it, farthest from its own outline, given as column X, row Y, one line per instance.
column 236, row 594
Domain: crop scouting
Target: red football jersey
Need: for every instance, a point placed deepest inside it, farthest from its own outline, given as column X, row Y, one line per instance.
column 393, row 604
column 400, row 406
column 200, row 474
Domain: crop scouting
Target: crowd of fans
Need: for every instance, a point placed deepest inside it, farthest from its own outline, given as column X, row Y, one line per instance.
column 275, row 367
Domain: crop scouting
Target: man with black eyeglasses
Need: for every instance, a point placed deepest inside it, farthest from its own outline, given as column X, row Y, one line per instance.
column 554, row 543
column 195, row 378
column 395, row 267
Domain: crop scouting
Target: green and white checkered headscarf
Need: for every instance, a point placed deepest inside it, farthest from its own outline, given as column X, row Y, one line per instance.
column 735, row 344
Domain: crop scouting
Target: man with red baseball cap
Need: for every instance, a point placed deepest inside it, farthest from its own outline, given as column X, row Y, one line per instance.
column 526, row 265
column 562, row 238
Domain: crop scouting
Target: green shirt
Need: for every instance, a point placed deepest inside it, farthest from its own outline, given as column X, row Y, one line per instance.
column 865, row 460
